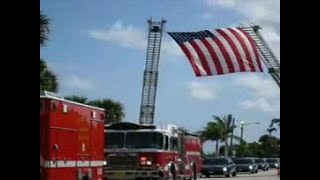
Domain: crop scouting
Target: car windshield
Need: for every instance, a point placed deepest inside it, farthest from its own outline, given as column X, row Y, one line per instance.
column 215, row 161
column 258, row 161
column 144, row 140
column 272, row 161
column 242, row 161
column 114, row 140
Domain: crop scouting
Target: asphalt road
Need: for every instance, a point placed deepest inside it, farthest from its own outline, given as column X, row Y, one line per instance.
column 268, row 175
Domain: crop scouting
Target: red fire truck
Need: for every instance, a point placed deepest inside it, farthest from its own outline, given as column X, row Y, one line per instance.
column 135, row 151
column 71, row 139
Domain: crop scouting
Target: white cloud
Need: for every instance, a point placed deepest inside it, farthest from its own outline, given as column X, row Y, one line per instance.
column 128, row 36
column 223, row 3
column 202, row 91
column 260, row 87
column 75, row 81
column 124, row 36
column 206, row 16
column 261, row 104
column 261, row 12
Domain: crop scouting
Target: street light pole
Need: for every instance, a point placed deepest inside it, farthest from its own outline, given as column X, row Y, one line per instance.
column 241, row 127
column 231, row 141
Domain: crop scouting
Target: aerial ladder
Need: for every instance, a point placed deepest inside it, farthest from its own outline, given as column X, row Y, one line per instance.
column 151, row 72
column 269, row 59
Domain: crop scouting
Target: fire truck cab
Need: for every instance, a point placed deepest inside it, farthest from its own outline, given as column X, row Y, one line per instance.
column 135, row 151
column 71, row 139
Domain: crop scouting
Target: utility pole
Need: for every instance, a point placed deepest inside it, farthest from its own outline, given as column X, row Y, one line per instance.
column 231, row 140
column 241, row 127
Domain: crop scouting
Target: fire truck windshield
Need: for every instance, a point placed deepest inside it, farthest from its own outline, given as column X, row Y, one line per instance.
column 114, row 140
column 144, row 140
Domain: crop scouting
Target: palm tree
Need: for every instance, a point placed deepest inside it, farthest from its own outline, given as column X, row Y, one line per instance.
column 44, row 28
column 114, row 110
column 211, row 133
column 79, row 99
column 48, row 80
column 270, row 130
column 275, row 121
column 225, row 129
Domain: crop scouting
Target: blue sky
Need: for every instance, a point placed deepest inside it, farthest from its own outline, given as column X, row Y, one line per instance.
column 97, row 48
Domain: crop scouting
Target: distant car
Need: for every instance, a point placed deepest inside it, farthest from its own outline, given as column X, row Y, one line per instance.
column 246, row 165
column 262, row 164
column 273, row 162
column 218, row 166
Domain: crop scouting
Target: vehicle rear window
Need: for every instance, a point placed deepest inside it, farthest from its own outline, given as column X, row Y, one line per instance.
column 215, row 161
column 243, row 161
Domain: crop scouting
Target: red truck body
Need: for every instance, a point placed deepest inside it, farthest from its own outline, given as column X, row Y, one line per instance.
column 71, row 139
column 135, row 151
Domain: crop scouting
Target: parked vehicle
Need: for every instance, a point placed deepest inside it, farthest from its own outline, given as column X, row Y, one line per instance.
column 218, row 166
column 262, row 164
column 273, row 162
column 246, row 165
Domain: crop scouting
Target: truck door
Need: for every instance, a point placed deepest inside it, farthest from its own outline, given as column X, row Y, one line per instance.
column 63, row 145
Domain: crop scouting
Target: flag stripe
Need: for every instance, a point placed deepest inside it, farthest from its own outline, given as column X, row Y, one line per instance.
column 195, row 58
column 225, row 54
column 219, row 54
column 220, row 51
column 245, row 48
column 250, row 48
column 201, row 57
column 233, row 47
column 254, row 47
column 240, row 48
column 214, row 57
column 207, row 56
column 228, row 50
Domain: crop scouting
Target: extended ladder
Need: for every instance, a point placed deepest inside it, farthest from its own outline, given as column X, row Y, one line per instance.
column 268, row 57
column 150, row 79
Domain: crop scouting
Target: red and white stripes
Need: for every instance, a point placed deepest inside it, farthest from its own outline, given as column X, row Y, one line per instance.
column 224, row 51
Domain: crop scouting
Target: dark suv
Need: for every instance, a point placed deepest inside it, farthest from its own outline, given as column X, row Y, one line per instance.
column 246, row 165
column 262, row 164
column 273, row 162
column 218, row 166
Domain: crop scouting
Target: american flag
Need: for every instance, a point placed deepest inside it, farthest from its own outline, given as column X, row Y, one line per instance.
column 221, row 51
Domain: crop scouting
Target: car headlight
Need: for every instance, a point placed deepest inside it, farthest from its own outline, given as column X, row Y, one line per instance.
column 276, row 165
column 104, row 163
column 224, row 169
column 149, row 163
column 250, row 167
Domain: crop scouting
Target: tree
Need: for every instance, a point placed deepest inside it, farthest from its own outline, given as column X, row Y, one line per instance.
column 225, row 129
column 114, row 110
column 219, row 130
column 48, row 80
column 270, row 130
column 44, row 28
column 242, row 149
column 211, row 133
column 79, row 99
column 270, row 146
column 275, row 121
